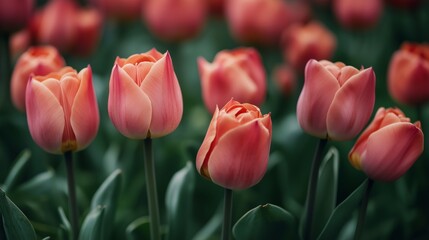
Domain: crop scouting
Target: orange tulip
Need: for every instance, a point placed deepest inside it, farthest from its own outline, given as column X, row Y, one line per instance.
column 388, row 147
column 237, row 74
column 35, row 61
column 14, row 14
column 234, row 153
column 62, row 110
column 144, row 95
column 408, row 75
column 358, row 14
column 336, row 101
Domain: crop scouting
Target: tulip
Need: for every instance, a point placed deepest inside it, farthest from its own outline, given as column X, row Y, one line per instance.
column 285, row 79
column 257, row 21
column 388, row 147
column 88, row 31
column 175, row 20
column 237, row 73
column 235, row 150
column 336, row 100
column 301, row 43
column 408, row 74
column 40, row 60
column 358, row 14
column 62, row 110
column 145, row 100
column 121, row 10
column 14, row 15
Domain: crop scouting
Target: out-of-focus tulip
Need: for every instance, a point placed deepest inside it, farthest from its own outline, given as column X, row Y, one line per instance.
column 88, row 31
column 217, row 7
column 62, row 110
column 15, row 14
column 388, row 147
column 175, row 20
column 20, row 42
column 285, row 79
column 408, row 74
column 121, row 10
column 336, row 101
column 301, row 43
column 237, row 74
column 235, row 150
column 358, row 14
column 144, row 95
column 257, row 21
column 40, row 60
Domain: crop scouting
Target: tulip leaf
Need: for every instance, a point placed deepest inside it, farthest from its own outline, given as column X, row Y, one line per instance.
column 92, row 225
column 106, row 197
column 208, row 231
column 342, row 213
column 16, row 170
column 178, row 201
column 138, row 229
column 15, row 223
column 65, row 226
column 266, row 222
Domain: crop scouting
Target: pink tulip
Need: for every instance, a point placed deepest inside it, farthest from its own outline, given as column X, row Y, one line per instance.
column 285, row 79
column 234, row 153
column 144, row 96
column 257, row 21
column 15, row 14
column 408, row 75
column 358, row 14
column 237, row 73
column 62, row 110
column 336, row 101
column 121, row 10
column 301, row 43
column 175, row 20
column 88, row 31
column 388, row 147
column 35, row 61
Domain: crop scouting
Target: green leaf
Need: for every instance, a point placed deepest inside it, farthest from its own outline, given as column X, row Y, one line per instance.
column 178, row 201
column 91, row 226
column 15, row 223
column 266, row 222
column 15, row 172
column 342, row 213
column 208, row 231
column 106, row 197
column 138, row 229
column 65, row 226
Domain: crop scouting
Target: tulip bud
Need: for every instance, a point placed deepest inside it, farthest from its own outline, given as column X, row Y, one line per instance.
column 237, row 74
column 235, row 150
column 358, row 14
column 388, row 147
column 408, row 75
column 144, row 95
column 301, row 43
column 15, row 14
column 336, row 100
column 62, row 110
column 175, row 20
column 35, row 61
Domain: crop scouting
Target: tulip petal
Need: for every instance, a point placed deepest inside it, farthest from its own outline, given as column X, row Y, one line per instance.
column 129, row 107
column 162, row 88
column 40, row 102
column 352, row 106
column 250, row 146
column 312, row 107
column 84, row 117
column 392, row 150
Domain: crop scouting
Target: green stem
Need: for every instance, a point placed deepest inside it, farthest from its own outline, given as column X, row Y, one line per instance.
column 227, row 213
column 152, row 195
column 5, row 68
column 72, row 194
column 312, row 188
column 362, row 210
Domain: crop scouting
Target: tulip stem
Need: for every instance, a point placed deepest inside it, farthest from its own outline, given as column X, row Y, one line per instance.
column 227, row 214
column 72, row 194
column 152, row 196
column 5, row 67
column 362, row 210
column 312, row 188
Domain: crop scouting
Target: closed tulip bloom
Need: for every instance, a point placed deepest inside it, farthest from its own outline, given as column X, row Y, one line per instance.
column 408, row 74
column 237, row 74
column 88, row 31
column 336, row 100
column 62, row 110
column 35, row 61
column 235, row 150
column 358, row 14
column 15, row 14
column 388, row 147
column 144, row 95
